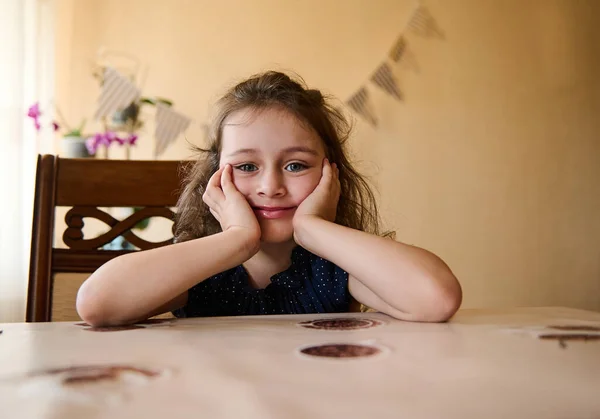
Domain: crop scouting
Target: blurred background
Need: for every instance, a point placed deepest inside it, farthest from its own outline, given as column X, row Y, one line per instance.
column 490, row 158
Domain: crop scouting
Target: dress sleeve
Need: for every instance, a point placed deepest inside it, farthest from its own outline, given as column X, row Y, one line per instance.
column 208, row 297
column 199, row 300
column 329, row 290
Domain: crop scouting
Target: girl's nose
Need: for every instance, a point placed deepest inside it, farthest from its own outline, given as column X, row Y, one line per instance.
column 271, row 184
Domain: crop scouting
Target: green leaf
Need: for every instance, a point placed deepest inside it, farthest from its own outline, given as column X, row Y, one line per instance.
column 142, row 225
column 73, row 133
column 164, row 101
column 156, row 100
column 148, row 101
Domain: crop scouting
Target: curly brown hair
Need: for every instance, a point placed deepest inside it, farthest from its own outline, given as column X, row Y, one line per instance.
column 356, row 207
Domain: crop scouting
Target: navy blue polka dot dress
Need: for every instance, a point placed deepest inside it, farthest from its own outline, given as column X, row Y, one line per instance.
column 310, row 285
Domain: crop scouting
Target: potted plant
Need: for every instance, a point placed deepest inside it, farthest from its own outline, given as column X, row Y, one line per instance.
column 73, row 142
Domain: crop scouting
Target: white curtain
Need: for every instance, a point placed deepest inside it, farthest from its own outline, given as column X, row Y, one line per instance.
column 26, row 76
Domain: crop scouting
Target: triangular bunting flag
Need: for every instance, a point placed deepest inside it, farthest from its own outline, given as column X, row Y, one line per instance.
column 169, row 124
column 117, row 93
column 398, row 49
column 401, row 54
column 423, row 24
column 384, row 78
column 360, row 103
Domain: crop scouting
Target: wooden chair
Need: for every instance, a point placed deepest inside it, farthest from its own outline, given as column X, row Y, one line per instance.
column 86, row 185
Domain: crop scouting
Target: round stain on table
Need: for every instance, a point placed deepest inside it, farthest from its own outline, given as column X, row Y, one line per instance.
column 341, row 350
column 341, row 323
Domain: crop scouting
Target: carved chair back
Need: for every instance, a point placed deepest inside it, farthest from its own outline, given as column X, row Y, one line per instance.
column 90, row 188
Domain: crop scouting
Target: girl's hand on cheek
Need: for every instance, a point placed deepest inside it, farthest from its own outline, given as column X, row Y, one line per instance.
column 322, row 202
column 229, row 206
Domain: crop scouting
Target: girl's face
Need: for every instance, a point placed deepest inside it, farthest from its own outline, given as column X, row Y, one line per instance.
column 277, row 162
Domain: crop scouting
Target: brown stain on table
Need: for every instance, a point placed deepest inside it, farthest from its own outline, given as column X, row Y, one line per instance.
column 341, row 350
column 340, row 323
column 576, row 328
column 78, row 375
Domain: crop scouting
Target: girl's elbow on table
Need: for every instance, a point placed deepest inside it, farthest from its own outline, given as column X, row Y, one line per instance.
column 439, row 304
column 88, row 308
column 445, row 300
column 92, row 304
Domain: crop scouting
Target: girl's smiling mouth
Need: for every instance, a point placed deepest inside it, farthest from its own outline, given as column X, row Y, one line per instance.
column 273, row 212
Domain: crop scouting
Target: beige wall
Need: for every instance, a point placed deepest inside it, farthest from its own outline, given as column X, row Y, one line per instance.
column 492, row 161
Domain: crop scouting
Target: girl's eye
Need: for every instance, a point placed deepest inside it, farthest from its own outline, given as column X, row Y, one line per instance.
column 295, row 167
column 246, row 167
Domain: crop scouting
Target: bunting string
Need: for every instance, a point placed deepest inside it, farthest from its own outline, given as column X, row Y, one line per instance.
column 421, row 23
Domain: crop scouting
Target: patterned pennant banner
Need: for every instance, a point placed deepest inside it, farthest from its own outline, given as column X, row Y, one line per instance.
column 423, row 24
column 398, row 49
column 117, row 93
column 169, row 124
column 360, row 103
column 384, row 78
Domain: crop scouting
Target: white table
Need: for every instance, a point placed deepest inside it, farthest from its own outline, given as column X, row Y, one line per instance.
column 482, row 364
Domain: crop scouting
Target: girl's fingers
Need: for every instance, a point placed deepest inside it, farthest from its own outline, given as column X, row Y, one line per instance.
column 213, row 187
column 226, row 181
column 326, row 172
column 331, row 174
column 215, row 179
column 215, row 195
column 209, row 200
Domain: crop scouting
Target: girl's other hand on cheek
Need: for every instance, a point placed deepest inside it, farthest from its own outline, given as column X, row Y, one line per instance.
column 322, row 202
column 230, row 207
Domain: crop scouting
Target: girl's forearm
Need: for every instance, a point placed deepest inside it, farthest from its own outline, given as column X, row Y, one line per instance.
column 407, row 281
column 133, row 286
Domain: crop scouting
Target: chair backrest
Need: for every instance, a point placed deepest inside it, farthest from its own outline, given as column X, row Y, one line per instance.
column 86, row 186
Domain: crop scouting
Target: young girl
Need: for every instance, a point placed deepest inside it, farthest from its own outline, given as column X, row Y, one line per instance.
column 273, row 220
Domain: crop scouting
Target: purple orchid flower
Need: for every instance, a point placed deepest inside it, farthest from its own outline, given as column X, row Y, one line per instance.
column 109, row 137
column 132, row 139
column 34, row 113
column 96, row 141
column 105, row 139
column 91, row 145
